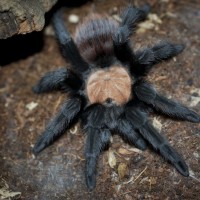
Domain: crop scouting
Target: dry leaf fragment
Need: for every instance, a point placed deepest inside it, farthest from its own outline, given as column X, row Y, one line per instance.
column 111, row 159
column 151, row 23
column 157, row 124
column 135, row 150
column 5, row 192
column 154, row 18
column 122, row 170
column 124, row 151
column 153, row 180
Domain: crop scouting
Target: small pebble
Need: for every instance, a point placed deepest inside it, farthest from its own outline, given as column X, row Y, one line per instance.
column 157, row 124
column 31, row 105
column 74, row 19
column 196, row 155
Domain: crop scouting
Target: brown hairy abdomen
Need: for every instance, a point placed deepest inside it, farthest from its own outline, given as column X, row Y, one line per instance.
column 113, row 83
column 94, row 37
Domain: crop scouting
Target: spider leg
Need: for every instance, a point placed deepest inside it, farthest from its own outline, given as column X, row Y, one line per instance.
column 57, row 80
column 59, row 124
column 139, row 121
column 130, row 17
column 166, row 150
column 158, row 53
column 69, row 48
column 98, row 136
column 126, row 129
column 97, row 139
column 146, row 93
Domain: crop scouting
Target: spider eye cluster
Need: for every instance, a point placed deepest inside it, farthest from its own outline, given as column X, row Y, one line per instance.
column 112, row 84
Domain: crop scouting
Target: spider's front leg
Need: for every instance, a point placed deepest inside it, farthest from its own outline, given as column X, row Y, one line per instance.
column 130, row 17
column 147, row 93
column 140, row 123
column 151, row 56
column 59, row 124
column 97, row 139
column 68, row 46
column 61, row 79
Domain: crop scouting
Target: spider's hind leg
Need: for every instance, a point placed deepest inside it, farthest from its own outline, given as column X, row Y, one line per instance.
column 140, row 123
column 147, row 93
column 127, row 131
column 98, row 137
column 97, row 140
column 166, row 150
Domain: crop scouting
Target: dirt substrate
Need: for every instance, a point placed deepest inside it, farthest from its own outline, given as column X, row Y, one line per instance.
column 58, row 171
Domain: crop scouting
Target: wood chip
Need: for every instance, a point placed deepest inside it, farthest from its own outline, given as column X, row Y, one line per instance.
column 194, row 101
column 31, row 105
column 6, row 193
column 152, row 22
column 117, row 18
column 154, row 18
column 111, row 159
column 122, row 170
column 135, row 150
column 124, row 151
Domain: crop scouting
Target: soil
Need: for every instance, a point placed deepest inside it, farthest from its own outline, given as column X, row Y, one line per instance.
column 124, row 172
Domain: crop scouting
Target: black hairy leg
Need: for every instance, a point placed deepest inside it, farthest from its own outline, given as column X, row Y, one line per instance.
column 56, row 80
column 166, row 150
column 127, row 131
column 151, row 56
column 141, row 62
column 97, row 140
column 130, row 17
column 68, row 47
column 147, row 93
column 140, row 123
column 59, row 124
column 98, row 137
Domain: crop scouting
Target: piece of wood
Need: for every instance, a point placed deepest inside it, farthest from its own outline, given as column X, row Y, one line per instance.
column 21, row 17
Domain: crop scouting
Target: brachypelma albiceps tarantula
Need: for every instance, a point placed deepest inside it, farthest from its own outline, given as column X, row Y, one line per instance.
column 108, row 89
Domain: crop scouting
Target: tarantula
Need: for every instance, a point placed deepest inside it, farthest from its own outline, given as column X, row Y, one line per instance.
column 108, row 89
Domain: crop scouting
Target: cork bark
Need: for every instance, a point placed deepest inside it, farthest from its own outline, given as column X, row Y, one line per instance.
column 21, row 17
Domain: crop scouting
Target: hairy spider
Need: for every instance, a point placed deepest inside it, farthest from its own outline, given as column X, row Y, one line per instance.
column 108, row 89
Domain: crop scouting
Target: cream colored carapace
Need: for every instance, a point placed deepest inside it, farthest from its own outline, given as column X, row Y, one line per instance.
column 112, row 84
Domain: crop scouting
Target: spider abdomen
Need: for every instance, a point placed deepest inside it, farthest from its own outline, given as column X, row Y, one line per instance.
column 94, row 37
column 113, row 84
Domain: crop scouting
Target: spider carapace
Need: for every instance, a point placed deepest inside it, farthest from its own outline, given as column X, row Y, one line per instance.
column 112, row 82
column 107, row 88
